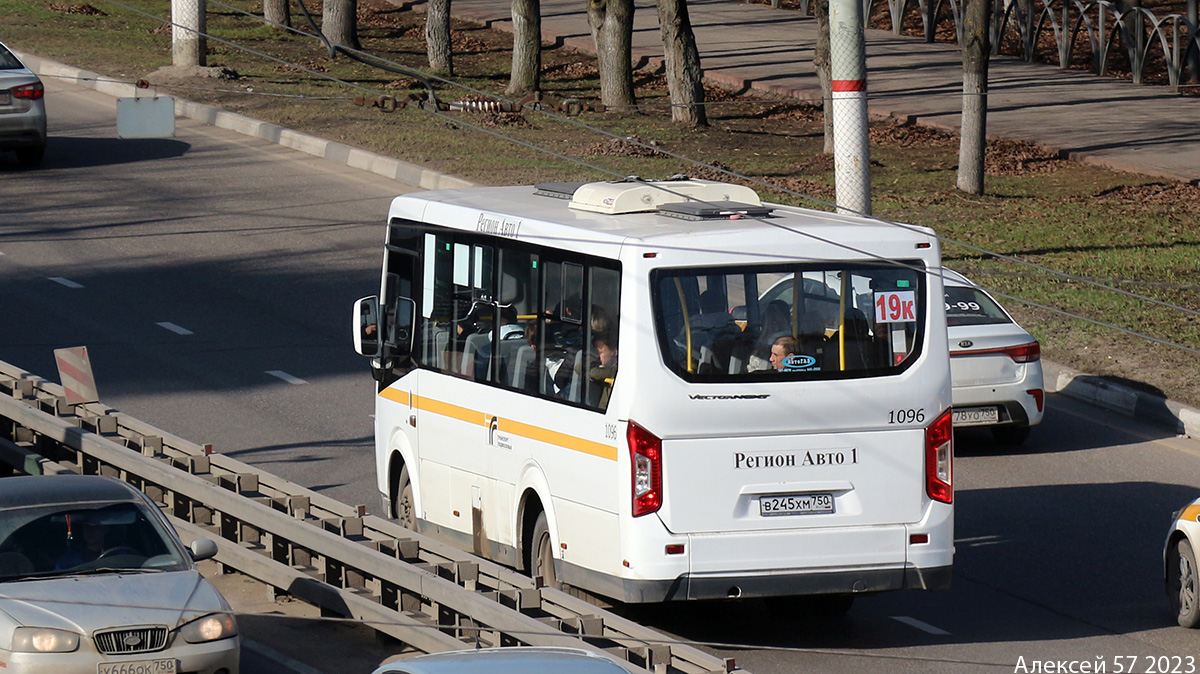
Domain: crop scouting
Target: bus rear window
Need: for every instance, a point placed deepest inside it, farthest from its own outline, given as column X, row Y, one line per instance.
column 795, row 322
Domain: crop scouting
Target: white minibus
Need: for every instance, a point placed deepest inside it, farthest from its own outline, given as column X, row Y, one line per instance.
column 667, row 390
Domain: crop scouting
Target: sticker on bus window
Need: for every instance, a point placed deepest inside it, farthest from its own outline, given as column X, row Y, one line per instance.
column 896, row 306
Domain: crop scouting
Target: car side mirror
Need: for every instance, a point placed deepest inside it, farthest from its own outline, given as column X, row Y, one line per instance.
column 366, row 326
column 202, row 549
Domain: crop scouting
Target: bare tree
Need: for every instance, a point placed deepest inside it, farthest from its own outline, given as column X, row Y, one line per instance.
column 684, row 76
column 822, row 64
column 975, row 52
column 527, row 47
column 278, row 11
column 437, row 37
column 339, row 22
column 611, row 22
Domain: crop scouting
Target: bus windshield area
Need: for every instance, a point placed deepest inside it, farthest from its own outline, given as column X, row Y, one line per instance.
column 790, row 321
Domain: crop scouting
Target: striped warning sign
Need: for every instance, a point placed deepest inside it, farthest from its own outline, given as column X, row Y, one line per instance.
column 75, row 373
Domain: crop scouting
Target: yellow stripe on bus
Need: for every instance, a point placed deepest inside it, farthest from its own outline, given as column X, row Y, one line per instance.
column 398, row 396
column 531, row 432
column 561, row 439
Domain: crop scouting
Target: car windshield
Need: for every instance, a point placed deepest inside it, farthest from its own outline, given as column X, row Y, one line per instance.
column 758, row 323
column 48, row 541
column 8, row 61
column 971, row 306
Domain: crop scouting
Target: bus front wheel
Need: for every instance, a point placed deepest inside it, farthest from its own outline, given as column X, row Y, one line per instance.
column 543, row 553
column 404, row 501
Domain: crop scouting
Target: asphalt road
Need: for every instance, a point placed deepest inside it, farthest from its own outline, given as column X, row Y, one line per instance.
column 200, row 270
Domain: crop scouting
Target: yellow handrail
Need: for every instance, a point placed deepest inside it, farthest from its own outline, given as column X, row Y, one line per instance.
column 687, row 327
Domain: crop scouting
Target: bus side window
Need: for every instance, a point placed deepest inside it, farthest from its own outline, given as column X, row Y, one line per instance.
column 598, row 371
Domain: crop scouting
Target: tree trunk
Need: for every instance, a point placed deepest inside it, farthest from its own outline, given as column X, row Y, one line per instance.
column 339, row 22
column 437, row 37
column 611, row 22
column 821, row 62
column 684, row 76
column 975, row 52
column 527, row 47
column 278, row 11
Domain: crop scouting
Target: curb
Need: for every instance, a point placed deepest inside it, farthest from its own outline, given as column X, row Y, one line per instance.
column 1088, row 388
column 353, row 157
column 1124, row 400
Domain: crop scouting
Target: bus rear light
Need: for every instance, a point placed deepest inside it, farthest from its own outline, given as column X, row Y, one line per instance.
column 918, row 539
column 32, row 92
column 645, row 453
column 675, row 549
column 939, row 459
column 1039, row 397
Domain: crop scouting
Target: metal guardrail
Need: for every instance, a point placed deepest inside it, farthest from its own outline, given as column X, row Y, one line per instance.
column 426, row 594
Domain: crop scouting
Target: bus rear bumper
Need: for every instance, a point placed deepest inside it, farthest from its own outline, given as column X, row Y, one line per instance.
column 808, row 582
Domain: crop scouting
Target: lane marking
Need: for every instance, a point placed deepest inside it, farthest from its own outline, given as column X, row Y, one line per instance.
column 286, row 377
column 65, row 281
column 923, row 626
column 278, row 658
column 174, row 328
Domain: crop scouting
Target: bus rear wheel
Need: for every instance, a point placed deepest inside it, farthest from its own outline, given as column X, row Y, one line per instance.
column 542, row 549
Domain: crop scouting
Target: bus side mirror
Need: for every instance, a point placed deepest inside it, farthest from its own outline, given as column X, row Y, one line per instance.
column 366, row 326
column 401, row 339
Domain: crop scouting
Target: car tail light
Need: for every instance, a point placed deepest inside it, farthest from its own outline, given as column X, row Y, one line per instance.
column 645, row 453
column 1023, row 353
column 1039, row 397
column 939, row 459
column 31, row 91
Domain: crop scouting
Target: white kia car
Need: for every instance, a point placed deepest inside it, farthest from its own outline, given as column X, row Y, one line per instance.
column 995, row 365
column 1179, row 565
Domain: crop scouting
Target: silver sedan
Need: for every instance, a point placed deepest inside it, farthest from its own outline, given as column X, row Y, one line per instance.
column 22, row 110
column 94, row 580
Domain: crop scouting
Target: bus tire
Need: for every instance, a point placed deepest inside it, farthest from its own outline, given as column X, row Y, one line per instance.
column 403, row 502
column 1182, row 587
column 541, row 553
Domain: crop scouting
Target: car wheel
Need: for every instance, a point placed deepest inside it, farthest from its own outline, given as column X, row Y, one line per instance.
column 1010, row 435
column 1182, row 584
column 542, row 559
column 404, row 502
column 29, row 157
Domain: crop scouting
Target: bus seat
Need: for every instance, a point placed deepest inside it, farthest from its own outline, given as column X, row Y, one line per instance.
column 470, row 348
column 573, row 391
column 508, row 356
column 520, row 366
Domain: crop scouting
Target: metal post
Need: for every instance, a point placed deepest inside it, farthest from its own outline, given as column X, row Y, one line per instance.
column 188, row 46
column 848, row 66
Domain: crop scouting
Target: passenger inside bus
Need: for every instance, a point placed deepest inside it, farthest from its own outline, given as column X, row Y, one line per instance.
column 601, row 375
column 783, row 348
column 777, row 322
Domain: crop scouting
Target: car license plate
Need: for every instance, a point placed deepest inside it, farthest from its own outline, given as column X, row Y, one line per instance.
column 976, row 416
column 159, row 666
column 795, row 504
column 5, row 98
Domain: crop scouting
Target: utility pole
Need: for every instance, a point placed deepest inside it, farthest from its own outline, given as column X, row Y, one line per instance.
column 188, row 46
column 848, row 66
